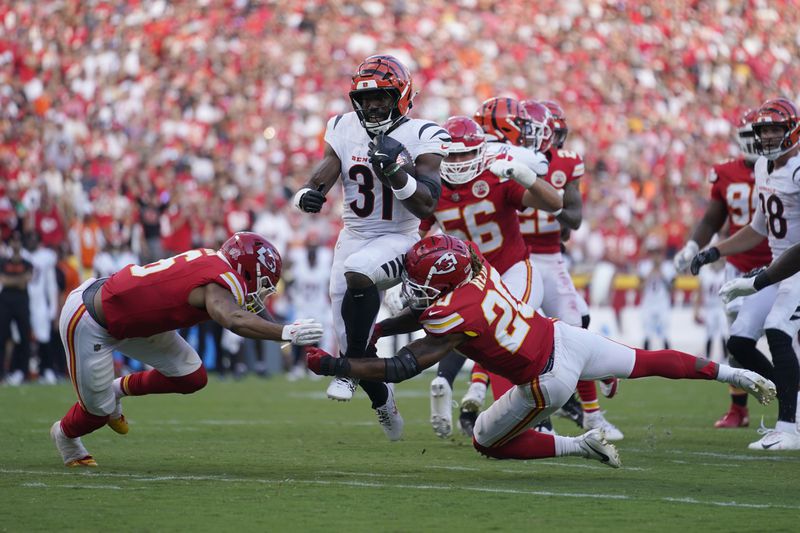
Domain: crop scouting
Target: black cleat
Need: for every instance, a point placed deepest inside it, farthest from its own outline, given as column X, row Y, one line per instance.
column 572, row 410
column 466, row 420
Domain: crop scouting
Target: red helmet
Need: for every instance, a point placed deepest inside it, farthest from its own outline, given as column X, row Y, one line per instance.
column 258, row 262
column 505, row 120
column 382, row 74
column 434, row 267
column 560, row 129
column 466, row 137
column 541, row 125
column 746, row 136
column 776, row 112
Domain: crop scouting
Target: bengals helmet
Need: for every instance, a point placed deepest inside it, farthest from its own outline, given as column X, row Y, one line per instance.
column 746, row 136
column 466, row 138
column 258, row 262
column 381, row 75
column 435, row 266
column 504, row 120
column 560, row 129
column 776, row 112
column 541, row 125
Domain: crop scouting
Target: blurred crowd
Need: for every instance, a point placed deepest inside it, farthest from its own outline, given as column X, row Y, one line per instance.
column 148, row 128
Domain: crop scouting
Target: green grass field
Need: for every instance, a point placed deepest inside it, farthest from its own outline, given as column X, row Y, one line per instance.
column 268, row 455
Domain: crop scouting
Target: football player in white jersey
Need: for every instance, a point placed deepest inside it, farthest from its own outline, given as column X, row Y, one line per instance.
column 389, row 165
column 307, row 287
column 777, row 173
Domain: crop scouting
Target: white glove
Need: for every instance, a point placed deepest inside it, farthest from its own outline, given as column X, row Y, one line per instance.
column 302, row 332
column 394, row 300
column 683, row 259
column 515, row 171
column 737, row 287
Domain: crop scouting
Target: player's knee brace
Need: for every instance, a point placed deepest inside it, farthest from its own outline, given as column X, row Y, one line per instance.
column 192, row 382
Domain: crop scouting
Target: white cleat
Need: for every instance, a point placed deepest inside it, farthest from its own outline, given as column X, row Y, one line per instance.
column 72, row 451
column 389, row 417
column 595, row 446
column 596, row 420
column 474, row 398
column 342, row 389
column 756, row 384
column 441, row 407
column 775, row 440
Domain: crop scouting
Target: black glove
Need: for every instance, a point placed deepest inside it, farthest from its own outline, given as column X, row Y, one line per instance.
column 384, row 155
column 311, row 201
column 703, row 258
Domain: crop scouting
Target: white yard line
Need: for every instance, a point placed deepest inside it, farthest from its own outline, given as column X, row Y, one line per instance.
column 224, row 479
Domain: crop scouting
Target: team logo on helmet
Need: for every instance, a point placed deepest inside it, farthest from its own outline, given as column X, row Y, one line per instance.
column 444, row 265
column 266, row 258
column 558, row 179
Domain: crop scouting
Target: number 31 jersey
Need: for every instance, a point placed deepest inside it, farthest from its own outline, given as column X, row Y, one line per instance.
column 733, row 184
column 370, row 208
column 140, row 301
column 778, row 213
column 506, row 336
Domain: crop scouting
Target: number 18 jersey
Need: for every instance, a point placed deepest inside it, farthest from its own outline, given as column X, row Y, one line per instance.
column 140, row 301
column 778, row 213
column 370, row 208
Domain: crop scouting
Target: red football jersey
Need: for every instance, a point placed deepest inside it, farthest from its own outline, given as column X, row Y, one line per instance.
column 540, row 229
column 733, row 184
column 484, row 211
column 140, row 301
column 507, row 337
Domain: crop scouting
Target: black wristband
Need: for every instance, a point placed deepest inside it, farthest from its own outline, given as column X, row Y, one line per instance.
column 761, row 280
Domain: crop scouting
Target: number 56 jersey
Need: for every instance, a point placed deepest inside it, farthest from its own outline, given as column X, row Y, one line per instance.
column 506, row 336
column 370, row 208
column 778, row 213
column 140, row 301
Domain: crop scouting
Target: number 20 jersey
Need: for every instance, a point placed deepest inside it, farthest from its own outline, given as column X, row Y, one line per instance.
column 140, row 301
column 506, row 336
column 370, row 208
column 733, row 184
column 778, row 213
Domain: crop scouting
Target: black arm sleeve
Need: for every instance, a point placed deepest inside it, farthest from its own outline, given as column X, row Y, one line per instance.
column 402, row 366
column 433, row 184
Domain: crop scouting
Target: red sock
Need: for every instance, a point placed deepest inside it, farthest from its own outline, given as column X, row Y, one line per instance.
column 500, row 385
column 479, row 375
column 527, row 445
column 154, row 382
column 587, row 390
column 78, row 422
column 672, row 364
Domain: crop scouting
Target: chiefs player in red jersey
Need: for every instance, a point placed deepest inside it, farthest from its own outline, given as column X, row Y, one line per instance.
column 542, row 233
column 733, row 200
column 137, row 310
column 465, row 305
column 481, row 204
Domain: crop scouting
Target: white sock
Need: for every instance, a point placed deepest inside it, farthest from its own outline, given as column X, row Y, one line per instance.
column 786, row 427
column 725, row 374
column 567, row 446
column 117, row 386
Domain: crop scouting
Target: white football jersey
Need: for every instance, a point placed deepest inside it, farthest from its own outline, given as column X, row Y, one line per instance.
column 778, row 212
column 370, row 208
column 536, row 161
column 711, row 280
column 309, row 288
